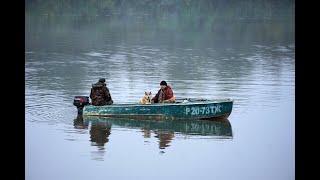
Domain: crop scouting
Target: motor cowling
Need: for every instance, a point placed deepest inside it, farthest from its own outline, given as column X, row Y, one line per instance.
column 80, row 102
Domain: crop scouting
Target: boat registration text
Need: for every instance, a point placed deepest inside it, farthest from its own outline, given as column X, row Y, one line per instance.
column 203, row 110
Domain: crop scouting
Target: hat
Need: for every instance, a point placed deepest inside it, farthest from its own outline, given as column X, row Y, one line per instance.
column 163, row 83
column 102, row 80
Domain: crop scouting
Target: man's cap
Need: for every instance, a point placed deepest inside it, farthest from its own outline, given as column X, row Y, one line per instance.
column 163, row 83
column 102, row 80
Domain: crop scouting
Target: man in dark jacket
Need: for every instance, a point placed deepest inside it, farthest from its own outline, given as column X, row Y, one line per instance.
column 164, row 95
column 100, row 94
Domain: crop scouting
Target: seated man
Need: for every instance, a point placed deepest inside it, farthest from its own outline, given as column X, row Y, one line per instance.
column 164, row 95
column 100, row 94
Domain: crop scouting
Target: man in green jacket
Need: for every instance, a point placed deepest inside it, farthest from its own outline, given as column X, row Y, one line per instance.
column 100, row 94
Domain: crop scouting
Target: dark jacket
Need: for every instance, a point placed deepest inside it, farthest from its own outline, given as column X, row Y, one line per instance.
column 100, row 95
column 162, row 95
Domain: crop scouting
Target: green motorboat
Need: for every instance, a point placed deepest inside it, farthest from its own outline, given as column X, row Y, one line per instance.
column 187, row 108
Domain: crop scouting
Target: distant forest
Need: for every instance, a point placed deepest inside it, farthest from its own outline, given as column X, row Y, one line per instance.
column 256, row 9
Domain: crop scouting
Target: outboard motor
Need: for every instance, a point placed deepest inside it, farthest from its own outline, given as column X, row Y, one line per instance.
column 80, row 102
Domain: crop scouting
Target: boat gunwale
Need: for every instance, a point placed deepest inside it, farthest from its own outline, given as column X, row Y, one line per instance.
column 158, row 116
column 168, row 104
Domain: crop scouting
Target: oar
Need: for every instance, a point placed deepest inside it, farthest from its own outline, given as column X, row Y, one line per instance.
column 191, row 99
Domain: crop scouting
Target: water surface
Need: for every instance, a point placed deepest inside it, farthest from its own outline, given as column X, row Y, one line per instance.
column 250, row 62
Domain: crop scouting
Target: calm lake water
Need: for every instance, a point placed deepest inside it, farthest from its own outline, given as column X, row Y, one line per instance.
column 251, row 62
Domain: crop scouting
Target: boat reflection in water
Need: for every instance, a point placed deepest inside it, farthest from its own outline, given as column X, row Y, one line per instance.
column 164, row 130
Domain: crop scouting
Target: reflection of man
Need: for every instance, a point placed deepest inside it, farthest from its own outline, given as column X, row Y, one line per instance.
column 99, row 133
column 146, row 132
column 165, row 137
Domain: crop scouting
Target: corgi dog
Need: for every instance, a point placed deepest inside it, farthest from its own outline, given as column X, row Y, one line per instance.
column 146, row 99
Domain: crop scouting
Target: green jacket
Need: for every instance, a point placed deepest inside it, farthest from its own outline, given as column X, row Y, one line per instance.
column 100, row 95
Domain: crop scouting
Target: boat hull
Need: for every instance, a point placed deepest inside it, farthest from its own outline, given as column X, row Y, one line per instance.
column 207, row 109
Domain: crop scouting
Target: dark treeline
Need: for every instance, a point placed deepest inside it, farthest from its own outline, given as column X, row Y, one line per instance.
column 256, row 9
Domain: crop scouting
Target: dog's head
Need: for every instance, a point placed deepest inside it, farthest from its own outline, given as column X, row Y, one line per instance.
column 147, row 96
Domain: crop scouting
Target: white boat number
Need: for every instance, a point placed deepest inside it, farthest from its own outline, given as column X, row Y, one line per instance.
column 203, row 110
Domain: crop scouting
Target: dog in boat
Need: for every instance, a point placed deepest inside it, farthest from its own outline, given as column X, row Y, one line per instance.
column 146, row 99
